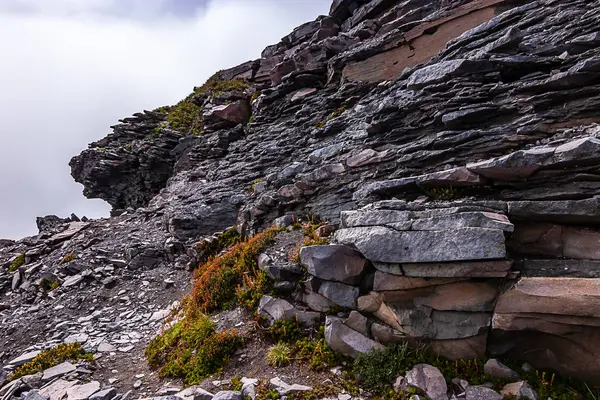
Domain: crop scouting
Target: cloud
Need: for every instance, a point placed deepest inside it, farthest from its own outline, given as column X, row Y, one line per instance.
column 64, row 80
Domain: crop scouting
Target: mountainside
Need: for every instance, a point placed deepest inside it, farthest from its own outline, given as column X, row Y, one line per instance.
column 443, row 158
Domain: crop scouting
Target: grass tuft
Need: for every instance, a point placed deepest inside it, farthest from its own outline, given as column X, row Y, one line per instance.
column 51, row 357
column 279, row 354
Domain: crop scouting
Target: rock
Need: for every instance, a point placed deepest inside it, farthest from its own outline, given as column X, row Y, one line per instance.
column 34, row 395
column 358, row 322
column 105, row 347
column 334, row 263
column 278, row 271
column 57, row 390
column 284, row 389
column 106, row 394
column 428, row 379
column 346, row 340
column 228, row 395
column 461, row 269
column 519, row 390
column 386, row 245
column 482, row 393
column 443, row 71
column 34, row 380
column 275, row 309
column 73, row 280
column 82, row 392
column 563, row 296
column 24, row 358
column 495, row 368
column 234, row 113
column 194, row 393
column 58, row 370
column 77, row 338
column 249, row 388
column 339, row 293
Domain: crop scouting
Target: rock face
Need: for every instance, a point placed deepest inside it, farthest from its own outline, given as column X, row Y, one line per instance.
column 453, row 143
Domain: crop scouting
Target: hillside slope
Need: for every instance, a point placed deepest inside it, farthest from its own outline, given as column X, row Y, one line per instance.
column 452, row 145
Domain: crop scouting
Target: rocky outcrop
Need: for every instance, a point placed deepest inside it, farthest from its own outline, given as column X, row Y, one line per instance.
column 454, row 145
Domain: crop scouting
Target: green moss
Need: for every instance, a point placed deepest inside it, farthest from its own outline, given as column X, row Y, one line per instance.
column 378, row 370
column 49, row 285
column 191, row 349
column 51, row 357
column 443, row 193
column 17, row 263
column 210, row 249
column 186, row 116
column 286, row 331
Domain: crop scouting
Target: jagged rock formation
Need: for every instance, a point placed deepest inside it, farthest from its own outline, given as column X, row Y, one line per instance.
column 454, row 143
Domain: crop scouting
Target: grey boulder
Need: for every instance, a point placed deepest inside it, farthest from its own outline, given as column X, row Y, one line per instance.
column 428, row 379
column 346, row 340
column 334, row 263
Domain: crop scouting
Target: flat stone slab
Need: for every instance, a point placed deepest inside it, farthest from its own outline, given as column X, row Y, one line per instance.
column 58, row 389
column 82, row 392
column 58, row 370
column 24, row 358
column 561, row 268
column 460, row 269
column 387, row 245
column 561, row 296
column 334, row 263
column 558, row 211
column 346, row 340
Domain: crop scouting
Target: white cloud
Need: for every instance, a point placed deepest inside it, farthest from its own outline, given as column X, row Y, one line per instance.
column 64, row 81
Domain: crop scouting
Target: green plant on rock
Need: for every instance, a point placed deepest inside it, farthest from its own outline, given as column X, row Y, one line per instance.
column 317, row 354
column 51, row 357
column 17, row 263
column 68, row 258
column 235, row 384
column 287, row 331
column 443, row 193
column 279, row 354
column 186, row 116
column 223, row 281
column 48, row 285
column 191, row 349
column 337, row 113
column 378, row 370
column 255, row 96
column 208, row 249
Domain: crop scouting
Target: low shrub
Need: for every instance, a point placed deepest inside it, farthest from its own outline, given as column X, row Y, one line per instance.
column 286, row 331
column 17, row 263
column 68, row 258
column 224, row 280
column 51, row 357
column 210, row 249
column 191, row 349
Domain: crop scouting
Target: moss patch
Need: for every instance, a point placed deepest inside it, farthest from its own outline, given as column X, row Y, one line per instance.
column 51, row 357
column 186, row 116
column 191, row 349
column 378, row 370
column 17, row 263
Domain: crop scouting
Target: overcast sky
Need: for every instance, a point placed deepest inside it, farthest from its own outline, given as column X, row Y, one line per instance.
column 71, row 68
